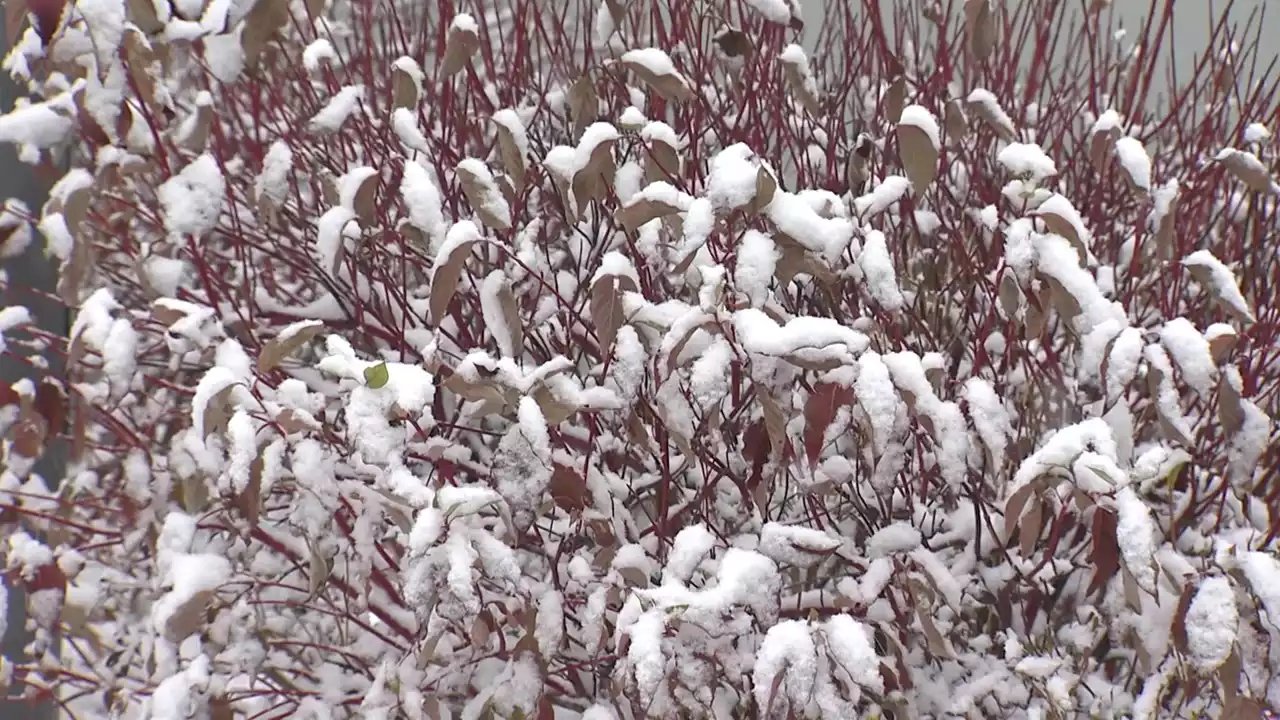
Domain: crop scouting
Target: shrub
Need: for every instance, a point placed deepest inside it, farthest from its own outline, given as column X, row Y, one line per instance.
column 629, row 361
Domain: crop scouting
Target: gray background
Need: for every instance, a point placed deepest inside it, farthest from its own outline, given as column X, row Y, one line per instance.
column 1191, row 31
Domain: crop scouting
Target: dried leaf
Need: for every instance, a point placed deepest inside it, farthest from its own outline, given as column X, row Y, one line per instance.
column 663, row 161
column 444, row 279
column 594, row 179
column 462, row 43
column 1030, row 527
column 584, row 104
column 1230, row 404
column 512, row 159
column 484, row 196
column 317, row 574
column 1014, row 506
column 938, row 645
column 1248, row 169
column 405, row 89
column 734, row 43
column 894, row 100
column 217, row 412
column 670, row 85
column 606, row 310
column 249, row 501
column 1105, row 548
column 637, row 213
column 1221, row 345
column 954, row 122
column 1011, row 299
column 568, row 488
column 775, row 422
column 277, row 349
column 995, row 118
column 919, row 157
column 819, row 411
column 260, row 25
column 364, row 201
column 766, row 188
column 188, row 617
column 980, row 25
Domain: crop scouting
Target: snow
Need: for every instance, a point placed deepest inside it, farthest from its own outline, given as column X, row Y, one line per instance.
column 852, row 647
column 758, row 333
column 1136, row 536
column 1212, row 623
column 1062, row 207
column 787, row 649
column 1190, row 350
column 987, row 102
column 1222, row 282
column 732, row 180
column 1134, row 159
column 273, row 181
column 920, row 117
column 892, row 539
column 691, row 545
column 1107, row 122
column 350, row 182
column 778, row 11
column 878, row 273
column 491, row 197
column 189, row 575
column 510, row 120
column 491, row 308
column 883, row 196
column 795, row 545
column 13, row 316
column 345, row 103
column 1256, row 133
column 405, row 123
column 1027, row 159
column 757, row 260
column 319, row 52
column 989, row 416
column 652, row 59
column 422, row 201
column 192, row 200
column 38, row 125
column 1063, row 447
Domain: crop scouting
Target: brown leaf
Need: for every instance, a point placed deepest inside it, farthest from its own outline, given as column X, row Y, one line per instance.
column 445, row 277
column 1243, row 708
column 637, row 213
column 217, row 412
column 364, row 201
column 405, row 88
column 510, row 309
column 980, row 25
column 317, row 574
column 1014, row 506
column 1010, row 295
column 594, row 179
column 1058, row 224
column 463, row 42
column 819, row 411
column 1031, row 526
column 1221, row 345
column 766, row 188
column 954, row 122
column 735, row 44
column 278, row 348
column 663, row 161
column 919, row 157
column 938, row 644
column 513, row 160
column 606, row 310
column 1105, row 552
column 670, row 85
column 482, row 194
column 894, row 100
column 584, row 104
column 249, row 501
column 1230, row 405
column 800, row 82
column 1249, row 170
column 568, row 488
column 260, row 25
column 775, row 422
column 1179, row 628
column 188, row 617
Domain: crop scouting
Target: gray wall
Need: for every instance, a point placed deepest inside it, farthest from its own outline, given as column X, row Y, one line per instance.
column 1192, row 21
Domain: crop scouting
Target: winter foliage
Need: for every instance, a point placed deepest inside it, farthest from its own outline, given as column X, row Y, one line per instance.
column 612, row 362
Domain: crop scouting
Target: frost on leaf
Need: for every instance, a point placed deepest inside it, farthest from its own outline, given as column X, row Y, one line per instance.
column 1219, row 282
column 192, row 200
column 1212, row 623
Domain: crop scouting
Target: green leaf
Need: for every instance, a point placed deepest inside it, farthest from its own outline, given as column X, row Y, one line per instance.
column 376, row 376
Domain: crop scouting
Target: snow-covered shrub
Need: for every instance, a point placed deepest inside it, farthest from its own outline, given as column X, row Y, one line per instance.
column 607, row 361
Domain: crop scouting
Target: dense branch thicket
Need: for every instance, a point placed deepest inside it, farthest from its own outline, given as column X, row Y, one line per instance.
column 532, row 359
